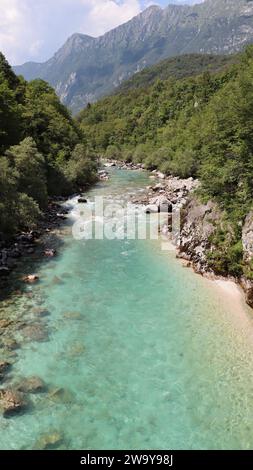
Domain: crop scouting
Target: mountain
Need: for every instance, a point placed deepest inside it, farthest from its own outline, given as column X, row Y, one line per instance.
column 87, row 68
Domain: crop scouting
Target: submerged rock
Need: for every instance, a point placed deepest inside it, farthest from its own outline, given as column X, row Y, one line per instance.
column 11, row 344
column 40, row 312
column 49, row 441
column 32, row 385
column 11, row 402
column 4, row 367
column 61, row 395
column 72, row 316
column 76, row 350
column 37, row 333
column 56, row 280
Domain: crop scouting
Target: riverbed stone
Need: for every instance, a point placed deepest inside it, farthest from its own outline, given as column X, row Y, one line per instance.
column 56, row 280
column 4, row 323
column 36, row 332
column 49, row 441
column 40, row 312
column 31, row 385
column 61, row 395
column 11, row 344
column 4, row 367
column 12, row 402
column 73, row 316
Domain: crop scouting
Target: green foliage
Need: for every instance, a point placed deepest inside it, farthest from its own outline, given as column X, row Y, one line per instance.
column 31, row 168
column 17, row 209
column 38, row 141
column 227, row 257
column 81, row 168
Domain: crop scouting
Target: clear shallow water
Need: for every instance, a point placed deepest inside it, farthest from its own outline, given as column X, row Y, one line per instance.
column 149, row 355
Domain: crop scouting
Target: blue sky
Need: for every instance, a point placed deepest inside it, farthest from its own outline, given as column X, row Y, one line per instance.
column 35, row 29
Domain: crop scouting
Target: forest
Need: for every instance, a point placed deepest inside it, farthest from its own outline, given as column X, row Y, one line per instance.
column 42, row 151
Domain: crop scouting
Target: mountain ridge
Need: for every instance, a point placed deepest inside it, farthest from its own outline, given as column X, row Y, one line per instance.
column 86, row 68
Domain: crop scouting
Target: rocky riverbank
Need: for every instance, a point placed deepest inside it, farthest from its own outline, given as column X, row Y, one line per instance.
column 24, row 244
column 198, row 222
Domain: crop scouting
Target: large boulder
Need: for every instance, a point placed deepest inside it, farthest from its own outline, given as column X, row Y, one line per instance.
column 11, row 402
column 199, row 222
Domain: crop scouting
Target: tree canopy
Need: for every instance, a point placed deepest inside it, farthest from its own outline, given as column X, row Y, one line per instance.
column 38, row 141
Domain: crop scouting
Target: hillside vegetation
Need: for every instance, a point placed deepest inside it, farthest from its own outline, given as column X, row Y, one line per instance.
column 178, row 67
column 200, row 126
column 41, row 150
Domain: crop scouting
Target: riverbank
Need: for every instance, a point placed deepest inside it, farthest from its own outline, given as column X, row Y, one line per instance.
column 198, row 222
column 25, row 243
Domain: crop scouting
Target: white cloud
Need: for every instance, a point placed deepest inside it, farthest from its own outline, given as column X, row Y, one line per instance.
column 35, row 29
column 104, row 15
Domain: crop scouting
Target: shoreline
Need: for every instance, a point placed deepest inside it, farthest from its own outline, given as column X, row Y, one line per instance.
column 24, row 244
column 194, row 242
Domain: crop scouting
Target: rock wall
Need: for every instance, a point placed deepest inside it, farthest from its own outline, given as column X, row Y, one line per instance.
column 199, row 222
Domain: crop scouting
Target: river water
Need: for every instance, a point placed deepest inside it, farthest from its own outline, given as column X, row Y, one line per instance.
column 141, row 353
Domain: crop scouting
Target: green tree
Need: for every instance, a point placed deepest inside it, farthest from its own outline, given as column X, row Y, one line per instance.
column 30, row 167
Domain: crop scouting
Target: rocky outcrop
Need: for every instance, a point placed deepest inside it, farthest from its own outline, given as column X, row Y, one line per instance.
column 247, row 237
column 247, row 242
column 247, row 286
column 199, row 222
column 171, row 193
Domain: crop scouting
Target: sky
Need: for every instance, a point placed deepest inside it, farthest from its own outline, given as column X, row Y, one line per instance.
column 33, row 30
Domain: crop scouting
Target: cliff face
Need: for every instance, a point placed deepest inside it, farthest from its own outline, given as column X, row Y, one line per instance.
column 86, row 68
column 200, row 223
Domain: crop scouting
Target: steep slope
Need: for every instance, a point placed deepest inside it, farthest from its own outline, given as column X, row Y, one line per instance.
column 87, row 68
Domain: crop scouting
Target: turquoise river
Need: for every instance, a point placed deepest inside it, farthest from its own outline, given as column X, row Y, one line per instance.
column 141, row 353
